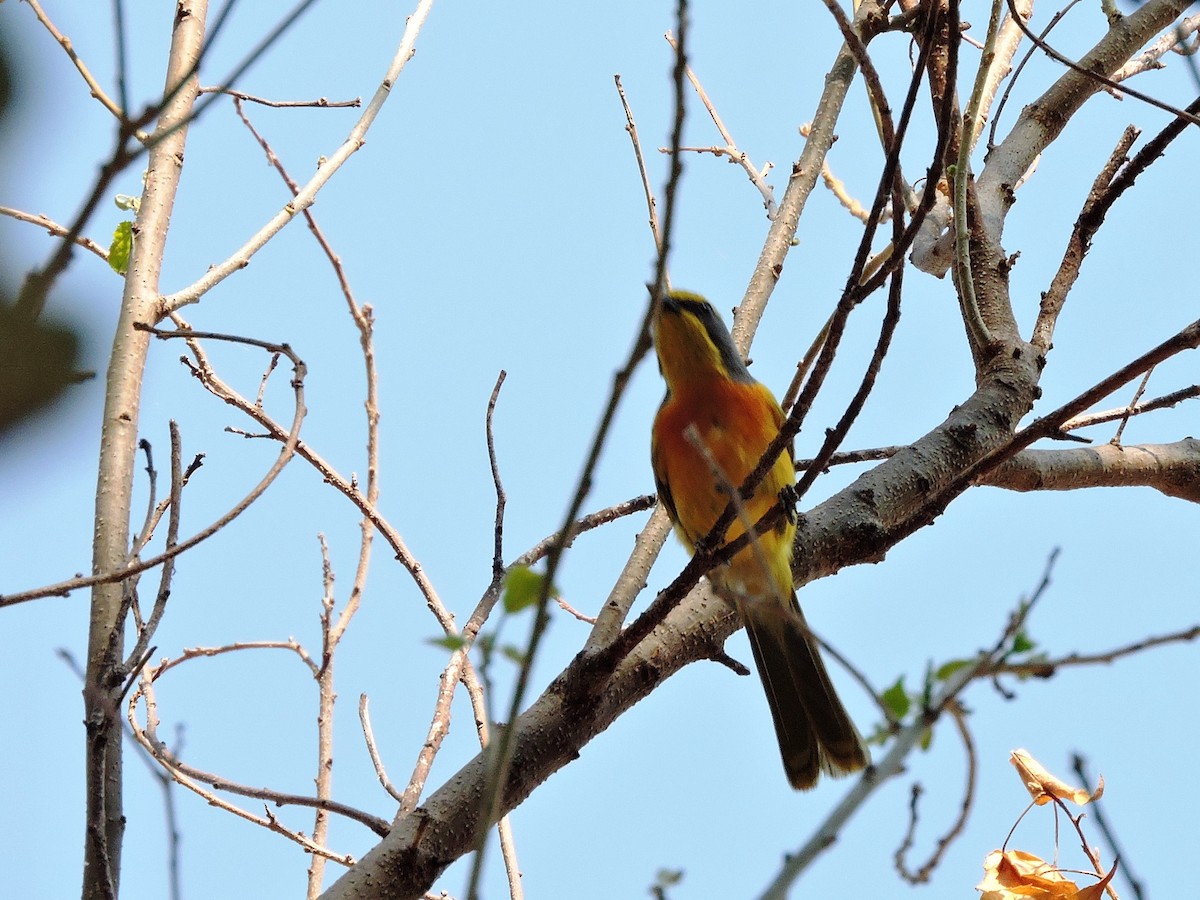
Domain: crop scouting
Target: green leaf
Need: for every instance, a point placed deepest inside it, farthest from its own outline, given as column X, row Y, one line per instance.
column 514, row 654
column 946, row 669
column 522, row 588
column 668, row 877
column 449, row 641
column 1022, row 643
column 120, row 248
column 927, row 739
column 879, row 736
column 896, row 699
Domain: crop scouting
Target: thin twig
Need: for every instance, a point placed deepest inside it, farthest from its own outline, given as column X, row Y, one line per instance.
column 1091, row 217
column 804, row 366
column 508, row 852
column 325, row 706
column 1092, row 854
column 845, row 457
column 501, row 498
column 190, row 653
column 182, row 775
column 1008, row 88
column 922, row 875
column 147, row 630
column 1079, row 765
column 185, row 773
column 1046, row 668
column 852, row 670
column 978, row 332
column 568, row 608
column 631, row 130
column 122, row 54
column 171, row 814
column 55, row 229
column 290, row 443
column 38, row 282
column 364, row 719
column 730, row 150
column 1137, row 395
column 319, row 103
column 1165, row 401
column 93, row 85
column 692, row 435
column 143, row 536
column 908, row 737
column 837, row 187
column 835, row 435
column 1151, row 57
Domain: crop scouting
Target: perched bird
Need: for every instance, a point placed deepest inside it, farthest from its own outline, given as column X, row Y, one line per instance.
column 715, row 413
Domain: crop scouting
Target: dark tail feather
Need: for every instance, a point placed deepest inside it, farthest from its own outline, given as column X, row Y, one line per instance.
column 814, row 730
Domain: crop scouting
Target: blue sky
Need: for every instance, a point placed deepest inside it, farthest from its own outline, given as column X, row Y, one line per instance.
column 494, row 220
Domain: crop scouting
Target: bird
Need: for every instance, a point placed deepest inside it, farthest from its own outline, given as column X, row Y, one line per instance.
column 713, row 427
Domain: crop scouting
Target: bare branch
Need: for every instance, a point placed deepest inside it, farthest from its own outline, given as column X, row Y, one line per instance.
column 498, row 528
column 369, row 736
column 1099, row 198
column 1166, row 401
column 55, row 229
column 308, row 193
column 147, row 629
column 290, row 439
column 319, row 103
column 325, row 707
column 1046, row 668
column 922, row 875
column 1083, row 69
column 1079, row 764
column 93, row 85
column 838, row 188
column 1045, row 426
column 730, row 150
column 631, row 129
column 105, row 818
column 1171, row 469
column 875, row 775
column 804, row 174
column 1042, row 122
column 189, row 775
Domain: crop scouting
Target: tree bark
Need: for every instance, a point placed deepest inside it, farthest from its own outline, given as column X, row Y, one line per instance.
column 105, row 673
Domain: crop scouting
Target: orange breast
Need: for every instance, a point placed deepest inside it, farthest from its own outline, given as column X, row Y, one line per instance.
column 736, row 422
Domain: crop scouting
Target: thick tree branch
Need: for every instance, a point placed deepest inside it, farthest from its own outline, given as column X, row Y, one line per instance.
column 805, row 172
column 1172, row 469
column 1043, row 120
column 118, row 448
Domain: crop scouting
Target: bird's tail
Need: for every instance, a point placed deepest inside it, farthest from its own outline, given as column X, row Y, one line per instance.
column 814, row 730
